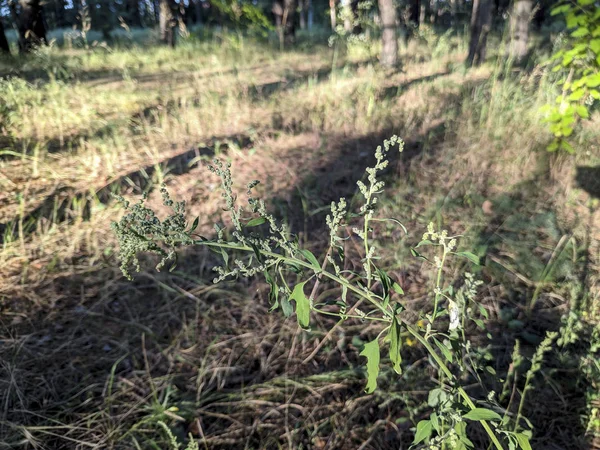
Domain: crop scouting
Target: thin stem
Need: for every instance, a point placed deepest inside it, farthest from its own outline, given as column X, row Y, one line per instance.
column 368, row 296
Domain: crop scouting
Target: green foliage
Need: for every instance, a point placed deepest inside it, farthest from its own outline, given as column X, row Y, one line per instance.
column 441, row 329
column 579, row 61
column 244, row 15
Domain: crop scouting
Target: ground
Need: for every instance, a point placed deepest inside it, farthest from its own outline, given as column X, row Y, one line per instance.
column 92, row 360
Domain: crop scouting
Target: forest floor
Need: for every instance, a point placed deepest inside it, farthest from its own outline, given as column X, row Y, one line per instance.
column 92, row 360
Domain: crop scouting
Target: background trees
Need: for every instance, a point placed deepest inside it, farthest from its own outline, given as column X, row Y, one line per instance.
column 33, row 18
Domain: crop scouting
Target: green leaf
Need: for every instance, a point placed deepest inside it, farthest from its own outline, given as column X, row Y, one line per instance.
column 445, row 351
column 595, row 94
column 595, row 46
column 311, row 259
column 523, row 441
column 286, row 307
column 580, row 32
column 416, row 254
column 424, row 431
column 395, row 345
column 585, row 2
column 582, row 111
column 302, row 305
column 256, row 222
column 195, row 224
column 479, row 414
column 576, row 95
column 397, row 288
column 470, row 256
column 560, row 9
column 567, row 147
column 371, row 352
column 553, row 146
column 593, row 81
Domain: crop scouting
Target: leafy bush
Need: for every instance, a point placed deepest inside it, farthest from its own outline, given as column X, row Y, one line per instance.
column 442, row 330
column 579, row 59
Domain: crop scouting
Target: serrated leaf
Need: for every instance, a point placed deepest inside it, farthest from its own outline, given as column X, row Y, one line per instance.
column 371, row 352
column 311, row 259
column 424, row 431
column 523, row 441
column 302, row 305
column 256, row 222
column 470, row 256
column 479, row 414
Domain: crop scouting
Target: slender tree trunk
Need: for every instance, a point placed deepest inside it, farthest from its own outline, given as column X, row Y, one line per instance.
column 422, row 11
column 414, row 12
column 4, row 47
column 519, row 28
column 302, row 12
column 310, row 12
column 481, row 23
column 168, row 22
column 289, row 20
column 347, row 15
column 32, row 31
column 389, row 37
column 133, row 13
column 197, row 11
column 332, row 14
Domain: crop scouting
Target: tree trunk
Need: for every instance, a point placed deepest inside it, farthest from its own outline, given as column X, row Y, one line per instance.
column 168, row 22
column 310, row 13
column 481, row 23
column 197, row 11
column 422, row 11
column 289, row 20
column 347, row 15
column 332, row 14
column 302, row 12
column 4, row 47
column 389, row 37
column 32, row 31
column 414, row 12
column 519, row 29
column 133, row 13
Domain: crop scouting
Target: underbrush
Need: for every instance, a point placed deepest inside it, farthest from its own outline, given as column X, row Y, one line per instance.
column 90, row 359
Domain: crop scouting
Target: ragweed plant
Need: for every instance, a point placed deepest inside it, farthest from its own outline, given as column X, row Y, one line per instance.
column 273, row 252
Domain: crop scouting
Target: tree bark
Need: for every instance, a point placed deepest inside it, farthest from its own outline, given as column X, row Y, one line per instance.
column 519, row 29
column 197, row 11
column 481, row 23
column 389, row 36
column 32, row 31
column 347, row 15
column 422, row 11
column 332, row 14
column 168, row 22
column 134, row 18
column 4, row 47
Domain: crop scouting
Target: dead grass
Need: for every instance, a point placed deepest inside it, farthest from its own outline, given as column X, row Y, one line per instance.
column 90, row 360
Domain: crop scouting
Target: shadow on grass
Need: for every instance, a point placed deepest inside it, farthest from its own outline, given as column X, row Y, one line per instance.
column 118, row 355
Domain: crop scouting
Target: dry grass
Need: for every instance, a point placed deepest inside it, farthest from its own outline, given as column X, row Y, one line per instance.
column 90, row 360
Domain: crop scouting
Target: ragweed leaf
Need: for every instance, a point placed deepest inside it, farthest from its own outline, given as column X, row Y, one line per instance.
column 371, row 352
